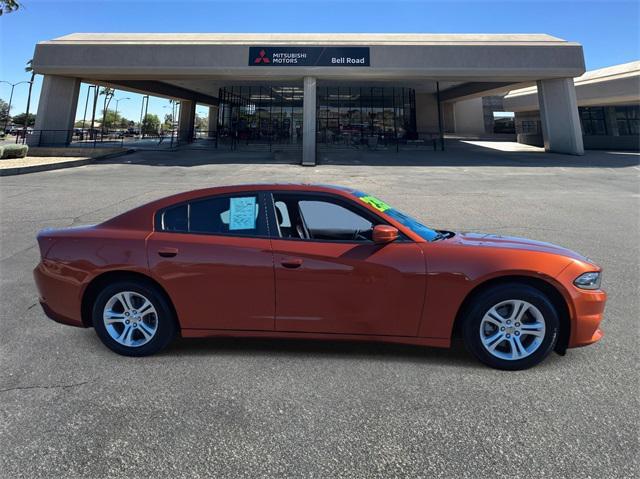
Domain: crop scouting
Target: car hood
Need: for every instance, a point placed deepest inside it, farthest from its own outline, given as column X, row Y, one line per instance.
column 514, row 242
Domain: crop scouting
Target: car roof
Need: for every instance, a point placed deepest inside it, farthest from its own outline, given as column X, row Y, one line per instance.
column 216, row 190
column 140, row 218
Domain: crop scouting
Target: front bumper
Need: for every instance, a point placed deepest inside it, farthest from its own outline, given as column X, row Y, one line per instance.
column 586, row 307
column 588, row 312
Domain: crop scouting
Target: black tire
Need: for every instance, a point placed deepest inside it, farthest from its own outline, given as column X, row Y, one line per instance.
column 485, row 301
column 163, row 320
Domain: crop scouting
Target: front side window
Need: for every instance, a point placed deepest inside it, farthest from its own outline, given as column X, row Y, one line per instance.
column 317, row 218
column 228, row 215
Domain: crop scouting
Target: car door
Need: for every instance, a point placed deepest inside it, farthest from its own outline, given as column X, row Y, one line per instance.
column 332, row 278
column 213, row 256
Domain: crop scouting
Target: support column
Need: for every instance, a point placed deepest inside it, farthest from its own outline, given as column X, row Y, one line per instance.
column 559, row 116
column 309, row 122
column 186, row 121
column 56, row 111
column 213, row 121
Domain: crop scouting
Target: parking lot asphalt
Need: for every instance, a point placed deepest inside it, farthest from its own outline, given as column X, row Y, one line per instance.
column 257, row 408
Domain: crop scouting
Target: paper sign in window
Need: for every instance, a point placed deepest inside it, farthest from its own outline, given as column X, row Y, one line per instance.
column 242, row 213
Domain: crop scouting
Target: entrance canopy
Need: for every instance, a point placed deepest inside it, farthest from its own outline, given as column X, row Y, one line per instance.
column 436, row 68
column 184, row 60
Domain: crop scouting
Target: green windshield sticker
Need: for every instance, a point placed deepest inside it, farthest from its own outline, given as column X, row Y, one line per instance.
column 376, row 203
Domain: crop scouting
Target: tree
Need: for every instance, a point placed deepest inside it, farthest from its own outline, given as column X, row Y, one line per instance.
column 124, row 123
column 8, row 6
column 108, row 95
column 150, row 124
column 168, row 122
column 29, row 69
column 111, row 119
column 202, row 123
column 20, row 119
column 4, row 111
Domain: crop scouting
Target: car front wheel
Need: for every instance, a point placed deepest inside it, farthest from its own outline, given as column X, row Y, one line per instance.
column 133, row 318
column 511, row 327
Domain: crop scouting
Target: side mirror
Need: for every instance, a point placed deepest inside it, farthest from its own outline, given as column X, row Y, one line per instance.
column 384, row 234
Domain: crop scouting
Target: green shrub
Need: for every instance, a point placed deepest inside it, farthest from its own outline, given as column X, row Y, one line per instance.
column 1, row 151
column 14, row 151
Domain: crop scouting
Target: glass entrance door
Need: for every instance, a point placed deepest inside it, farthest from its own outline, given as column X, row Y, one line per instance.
column 260, row 114
column 356, row 116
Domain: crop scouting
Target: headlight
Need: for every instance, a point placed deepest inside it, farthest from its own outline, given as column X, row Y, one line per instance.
column 589, row 280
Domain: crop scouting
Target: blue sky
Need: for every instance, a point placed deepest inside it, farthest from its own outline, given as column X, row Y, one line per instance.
column 608, row 30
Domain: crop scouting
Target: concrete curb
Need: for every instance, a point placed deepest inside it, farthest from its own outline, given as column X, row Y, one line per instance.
column 22, row 170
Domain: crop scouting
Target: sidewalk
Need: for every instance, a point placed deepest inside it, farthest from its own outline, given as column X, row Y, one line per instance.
column 37, row 162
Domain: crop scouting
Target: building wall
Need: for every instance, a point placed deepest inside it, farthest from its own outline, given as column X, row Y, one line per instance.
column 426, row 113
column 529, row 132
column 606, row 90
column 469, row 117
column 448, row 118
column 491, row 104
column 528, row 129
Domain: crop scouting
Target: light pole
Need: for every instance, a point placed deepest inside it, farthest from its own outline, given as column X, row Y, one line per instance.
column 86, row 104
column 118, row 100
column 13, row 85
column 92, row 134
column 145, row 100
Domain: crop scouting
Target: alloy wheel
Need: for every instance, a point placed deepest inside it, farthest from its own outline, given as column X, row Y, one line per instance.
column 130, row 319
column 512, row 329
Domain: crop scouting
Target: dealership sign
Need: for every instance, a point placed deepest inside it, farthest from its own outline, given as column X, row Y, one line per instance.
column 309, row 56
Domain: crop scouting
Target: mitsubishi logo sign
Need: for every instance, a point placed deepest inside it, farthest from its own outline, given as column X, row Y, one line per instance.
column 262, row 57
column 308, row 56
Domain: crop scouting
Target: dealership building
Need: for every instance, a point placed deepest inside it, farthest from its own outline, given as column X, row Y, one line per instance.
column 317, row 89
column 608, row 106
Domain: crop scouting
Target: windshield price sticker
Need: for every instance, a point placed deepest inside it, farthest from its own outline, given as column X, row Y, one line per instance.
column 376, row 203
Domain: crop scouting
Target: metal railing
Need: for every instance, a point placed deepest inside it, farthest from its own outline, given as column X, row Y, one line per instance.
column 78, row 138
column 224, row 140
column 415, row 141
column 235, row 140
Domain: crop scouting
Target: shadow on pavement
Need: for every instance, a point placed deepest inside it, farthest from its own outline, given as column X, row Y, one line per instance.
column 457, row 153
column 300, row 348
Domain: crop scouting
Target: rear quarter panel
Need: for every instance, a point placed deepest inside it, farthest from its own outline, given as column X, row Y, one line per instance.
column 72, row 258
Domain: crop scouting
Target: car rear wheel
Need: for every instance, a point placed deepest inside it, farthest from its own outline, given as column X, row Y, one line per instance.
column 511, row 327
column 133, row 318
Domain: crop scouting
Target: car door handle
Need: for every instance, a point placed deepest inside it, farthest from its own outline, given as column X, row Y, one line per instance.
column 291, row 263
column 168, row 252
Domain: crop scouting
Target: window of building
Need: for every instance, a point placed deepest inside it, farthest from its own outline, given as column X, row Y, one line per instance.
column 592, row 119
column 628, row 119
column 528, row 127
column 352, row 115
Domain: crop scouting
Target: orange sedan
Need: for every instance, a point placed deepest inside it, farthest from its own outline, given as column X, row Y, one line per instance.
column 314, row 261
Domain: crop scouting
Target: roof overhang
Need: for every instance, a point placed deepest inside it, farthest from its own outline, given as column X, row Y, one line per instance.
column 505, row 59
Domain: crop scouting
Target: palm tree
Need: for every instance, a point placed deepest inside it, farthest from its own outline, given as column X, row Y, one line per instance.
column 29, row 69
column 108, row 95
column 8, row 6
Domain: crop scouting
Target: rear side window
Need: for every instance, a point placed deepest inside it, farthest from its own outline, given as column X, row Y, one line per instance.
column 175, row 218
column 233, row 215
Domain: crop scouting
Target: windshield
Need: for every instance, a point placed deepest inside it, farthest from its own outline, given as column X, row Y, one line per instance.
column 406, row 220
